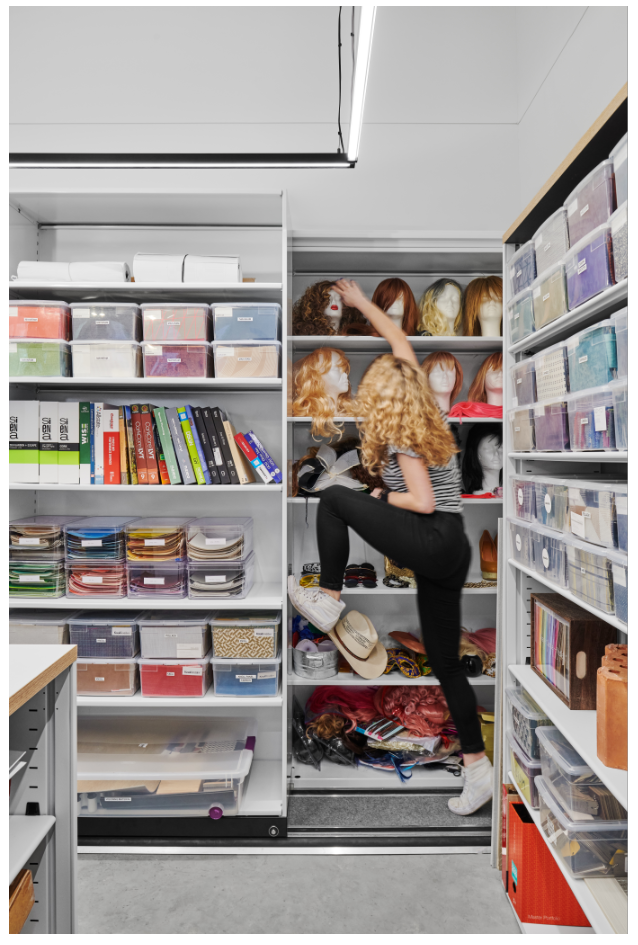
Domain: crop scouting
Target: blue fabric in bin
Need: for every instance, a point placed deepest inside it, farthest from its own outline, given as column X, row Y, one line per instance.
column 593, row 360
column 246, row 677
column 245, row 322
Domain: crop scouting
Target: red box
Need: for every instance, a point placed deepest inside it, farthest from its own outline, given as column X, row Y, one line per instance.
column 46, row 320
column 187, row 678
column 510, row 796
column 537, row 889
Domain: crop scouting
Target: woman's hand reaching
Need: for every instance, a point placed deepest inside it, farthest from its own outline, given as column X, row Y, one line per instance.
column 351, row 293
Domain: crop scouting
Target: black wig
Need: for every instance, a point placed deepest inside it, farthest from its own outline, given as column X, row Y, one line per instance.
column 472, row 470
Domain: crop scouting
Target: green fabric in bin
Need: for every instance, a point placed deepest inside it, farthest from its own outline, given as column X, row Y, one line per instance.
column 39, row 359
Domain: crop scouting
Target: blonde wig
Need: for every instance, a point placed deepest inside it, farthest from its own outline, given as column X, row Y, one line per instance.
column 388, row 292
column 477, row 393
column 447, row 360
column 310, row 397
column 308, row 317
column 398, row 409
column 478, row 291
column 432, row 320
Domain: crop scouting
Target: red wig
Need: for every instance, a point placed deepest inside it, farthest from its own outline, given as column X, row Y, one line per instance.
column 387, row 293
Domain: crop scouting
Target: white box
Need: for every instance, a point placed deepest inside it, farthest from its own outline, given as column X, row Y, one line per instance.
column 212, row 269
column 24, row 441
column 157, row 267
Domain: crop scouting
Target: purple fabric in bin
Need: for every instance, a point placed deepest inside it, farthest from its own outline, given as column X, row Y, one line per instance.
column 177, row 360
column 552, row 427
column 590, row 270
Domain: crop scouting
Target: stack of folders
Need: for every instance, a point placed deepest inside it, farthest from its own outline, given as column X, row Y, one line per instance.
column 138, row 444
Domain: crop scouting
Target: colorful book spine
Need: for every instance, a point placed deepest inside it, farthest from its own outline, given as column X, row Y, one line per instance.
column 190, row 446
column 198, row 445
column 152, row 469
column 24, row 441
column 243, row 467
column 179, row 444
column 233, row 475
column 124, row 472
column 130, row 444
column 138, row 440
column 111, row 441
column 172, row 466
column 85, row 444
column 213, row 439
column 165, row 479
column 252, row 457
column 69, row 443
column 92, row 444
column 204, row 440
column 48, row 449
column 265, row 457
column 99, row 444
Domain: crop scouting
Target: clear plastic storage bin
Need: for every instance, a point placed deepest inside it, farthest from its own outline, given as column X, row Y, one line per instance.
column 175, row 634
column 619, row 579
column 43, row 320
column 158, row 579
column 39, row 535
column 591, row 577
column 97, row 578
column 522, row 268
column 549, row 296
column 182, row 678
column 221, row 579
column 107, row 359
column 552, row 372
column 103, row 634
column 157, row 539
column 176, row 322
column 620, row 242
column 591, row 419
column 523, row 381
column 619, row 158
column 619, row 321
column 145, row 766
column 219, row 539
column 522, row 428
column 177, row 359
column 524, row 495
column 621, row 412
column 100, row 537
column 107, row 677
column 246, row 321
column 38, row 577
column 258, row 677
column 592, row 512
column 588, row 848
column 525, row 719
column 520, row 314
column 522, row 547
column 247, row 359
column 246, row 635
column 622, row 516
column 552, row 503
column 589, row 266
column 39, row 626
column 106, row 321
column 591, row 203
column 551, row 426
column 39, row 358
column 524, row 769
column 551, row 241
column 549, row 555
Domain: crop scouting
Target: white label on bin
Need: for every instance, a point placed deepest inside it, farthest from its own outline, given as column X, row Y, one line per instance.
column 582, row 266
column 173, row 323
column 572, row 208
column 13, row 349
column 519, row 273
column 29, row 578
column 578, row 525
column 91, row 579
column 154, row 350
column 519, row 380
column 28, row 541
column 102, row 321
column 153, row 580
column 225, row 352
column 545, row 557
column 223, row 312
column 30, row 319
column 243, row 641
column 536, row 293
column 81, row 313
column 215, row 541
column 519, row 543
column 245, row 678
column 584, row 209
column 102, row 357
column 91, row 542
column 583, row 421
column 245, row 318
column 265, row 632
column 586, row 513
column 583, row 571
column 517, row 429
column 517, row 316
column 600, row 420
column 546, row 247
column 546, row 296
column 621, row 504
column 520, row 496
column 548, row 503
column 158, row 542
column 100, row 639
column 186, row 651
column 153, row 313
column 269, row 675
column 620, row 577
column 28, row 360
column 170, row 674
column 192, row 670
column 113, row 800
column 173, row 360
column 99, row 679
column 122, row 631
column 215, row 578
column 583, row 359
column 244, row 359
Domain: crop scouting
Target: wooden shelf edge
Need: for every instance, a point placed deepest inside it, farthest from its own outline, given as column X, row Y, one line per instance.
column 21, row 696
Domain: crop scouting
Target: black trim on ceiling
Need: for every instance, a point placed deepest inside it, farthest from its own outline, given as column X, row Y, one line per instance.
column 179, row 160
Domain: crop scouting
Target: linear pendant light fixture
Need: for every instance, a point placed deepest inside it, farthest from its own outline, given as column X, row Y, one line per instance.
column 233, row 161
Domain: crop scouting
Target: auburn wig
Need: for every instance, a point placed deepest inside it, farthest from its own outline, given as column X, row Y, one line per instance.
column 445, row 360
column 477, row 392
column 308, row 317
column 390, row 291
column 310, row 397
column 478, row 291
column 431, row 320
column 471, row 469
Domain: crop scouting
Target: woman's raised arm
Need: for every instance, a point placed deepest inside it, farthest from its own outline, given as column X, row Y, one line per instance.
column 352, row 295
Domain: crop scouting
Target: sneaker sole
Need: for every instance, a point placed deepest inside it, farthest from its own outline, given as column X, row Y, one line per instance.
column 465, row 812
column 292, row 587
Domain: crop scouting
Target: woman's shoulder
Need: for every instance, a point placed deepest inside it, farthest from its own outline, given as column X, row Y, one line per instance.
column 401, row 449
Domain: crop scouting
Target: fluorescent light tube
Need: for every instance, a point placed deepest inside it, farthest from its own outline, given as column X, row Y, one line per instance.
column 361, row 69
column 204, row 161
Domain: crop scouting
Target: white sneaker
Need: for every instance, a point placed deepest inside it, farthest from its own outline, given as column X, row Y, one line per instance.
column 319, row 608
column 477, row 789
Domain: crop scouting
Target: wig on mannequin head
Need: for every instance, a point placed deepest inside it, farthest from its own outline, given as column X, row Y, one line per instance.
column 477, row 392
column 472, row 470
column 445, row 359
column 388, row 292
column 431, row 320
column 308, row 317
column 310, row 397
column 478, row 291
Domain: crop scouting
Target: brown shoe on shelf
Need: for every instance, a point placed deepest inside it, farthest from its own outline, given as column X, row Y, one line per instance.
column 487, row 548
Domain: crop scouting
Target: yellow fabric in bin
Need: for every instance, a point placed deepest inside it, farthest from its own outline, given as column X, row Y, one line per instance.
column 94, row 787
column 487, row 731
column 179, row 787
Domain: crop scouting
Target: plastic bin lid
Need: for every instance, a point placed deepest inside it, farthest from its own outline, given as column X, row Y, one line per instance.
column 176, row 618
column 575, row 823
column 619, row 318
column 45, row 521
column 155, row 524
column 160, row 661
column 107, row 341
column 519, row 523
column 567, row 758
column 40, row 341
column 102, row 523
column 104, row 617
column 537, row 237
column 525, row 704
column 550, row 350
column 546, row 532
column 126, row 306
column 266, row 307
column 227, row 660
column 518, row 410
column 31, row 616
column 104, row 660
column 247, row 343
column 586, row 240
column 171, row 306
column 147, row 345
column 213, row 521
column 527, row 762
column 19, row 303
column 611, row 554
column 601, row 396
column 519, row 297
column 92, row 563
column 547, row 274
column 245, row 619
column 605, row 167
column 617, row 150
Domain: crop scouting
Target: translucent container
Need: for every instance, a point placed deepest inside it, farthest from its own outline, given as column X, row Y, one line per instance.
column 592, row 202
column 572, row 782
column 100, row 537
column 590, row 575
column 622, row 516
column 39, row 577
column 552, row 372
column 39, row 626
column 523, row 381
column 591, row 419
column 549, row 296
column 588, row 848
column 157, row 539
column 551, row 426
column 104, row 634
column 43, row 320
column 552, row 504
column 619, row 321
column 107, row 677
column 522, row 428
column 522, row 547
column 39, row 535
column 246, row 635
column 525, row 720
column 176, row 322
column 524, row 769
column 182, row 678
column 145, row 766
column 247, row 359
column 106, row 359
column 219, row 539
column 620, row 242
column 550, row 558
column 157, row 579
column 619, row 158
column 621, row 413
column 524, row 494
column 551, row 241
column 246, row 321
column 522, row 268
column 106, row 321
column 221, row 579
column 589, row 266
column 258, row 677
column 592, row 512
column 99, row 578
column 520, row 314
column 39, row 358
column 175, row 634
column 620, row 579
column 177, row 359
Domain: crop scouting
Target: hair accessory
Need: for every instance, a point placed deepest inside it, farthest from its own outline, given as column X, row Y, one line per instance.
column 396, row 570
column 311, row 568
column 362, row 575
column 309, row 580
column 391, row 581
column 399, row 659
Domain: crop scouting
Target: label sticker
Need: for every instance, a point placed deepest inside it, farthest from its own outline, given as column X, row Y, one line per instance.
column 29, row 578
column 620, row 575
column 600, row 419
column 545, row 557
column 114, row 800
column 173, row 360
column 583, row 421
column 186, row 651
column 121, row 631
column 584, row 209
column 170, row 674
column 81, row 313
column 578, row 525
column 100, row 639
column 154, row 580
column 28, row 360
column 245, row 318
column 245, row 678
column 215, row 541
column 545, row 297
column 517, row 429
column 520, row 496
column 546, row 247
column 173, row 323
column 519, row 273
column 99, row 679
column 269, row 675
column 28, row 541
column 264, row 632
column 517, row 316
column 91, row 542
column 102, row 322
column 244, row 359
column 192, row 670
column 519, row 543
column 157, row 542
column 548, row 503
column 223, row 312
column 215, row 578
column 582, row 266
column 586, row 513
column 30, row 319
column 583, row 359
column 519, row 380
column 171, row 634
column 217, row 456
column 92, row 579
column 572, row 208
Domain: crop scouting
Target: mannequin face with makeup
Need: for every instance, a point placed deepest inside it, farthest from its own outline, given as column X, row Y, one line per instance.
column 490, row 456
column 494, row 388
column 334, row 309
column 442, row 380
column 449, row 304
column 396, row 312
column 335, row 380
column 490, row 317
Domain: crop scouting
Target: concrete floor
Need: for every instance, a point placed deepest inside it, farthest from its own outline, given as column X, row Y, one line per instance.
column 447, row 893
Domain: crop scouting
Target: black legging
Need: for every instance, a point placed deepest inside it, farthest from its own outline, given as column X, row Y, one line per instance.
column 436, row 548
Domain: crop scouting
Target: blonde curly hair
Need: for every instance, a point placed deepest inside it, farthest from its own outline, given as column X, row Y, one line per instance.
column 397, row 409
column 310, row 398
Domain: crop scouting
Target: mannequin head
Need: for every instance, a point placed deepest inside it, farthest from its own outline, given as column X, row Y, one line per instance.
column 487, row 386
column 440, row 307
column 322, row 389
column 395, row 298
column 483, row 307
column 445, row 377
column 320, row 311
column 483, row 459
column 334, row 309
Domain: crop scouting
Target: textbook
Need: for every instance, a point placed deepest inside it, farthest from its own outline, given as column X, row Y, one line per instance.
column 85, row 444
column 152, row 468
column 124, row 472
column 111, row 445
column 229, row 461
column 198, row 445
column 68, row 443
column 190, row 446
column 265, row 457
column 213, row 439
column 206, row 447
column 159, row 413
column 252, row 457
column 179, row 443
column 138, row 440
column 130, row 446
column 98, row 437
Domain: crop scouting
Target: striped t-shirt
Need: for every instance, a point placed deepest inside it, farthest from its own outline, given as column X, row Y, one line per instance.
column 446, row 480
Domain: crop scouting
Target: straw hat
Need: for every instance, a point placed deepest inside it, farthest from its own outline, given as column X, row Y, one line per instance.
column 355, row 637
